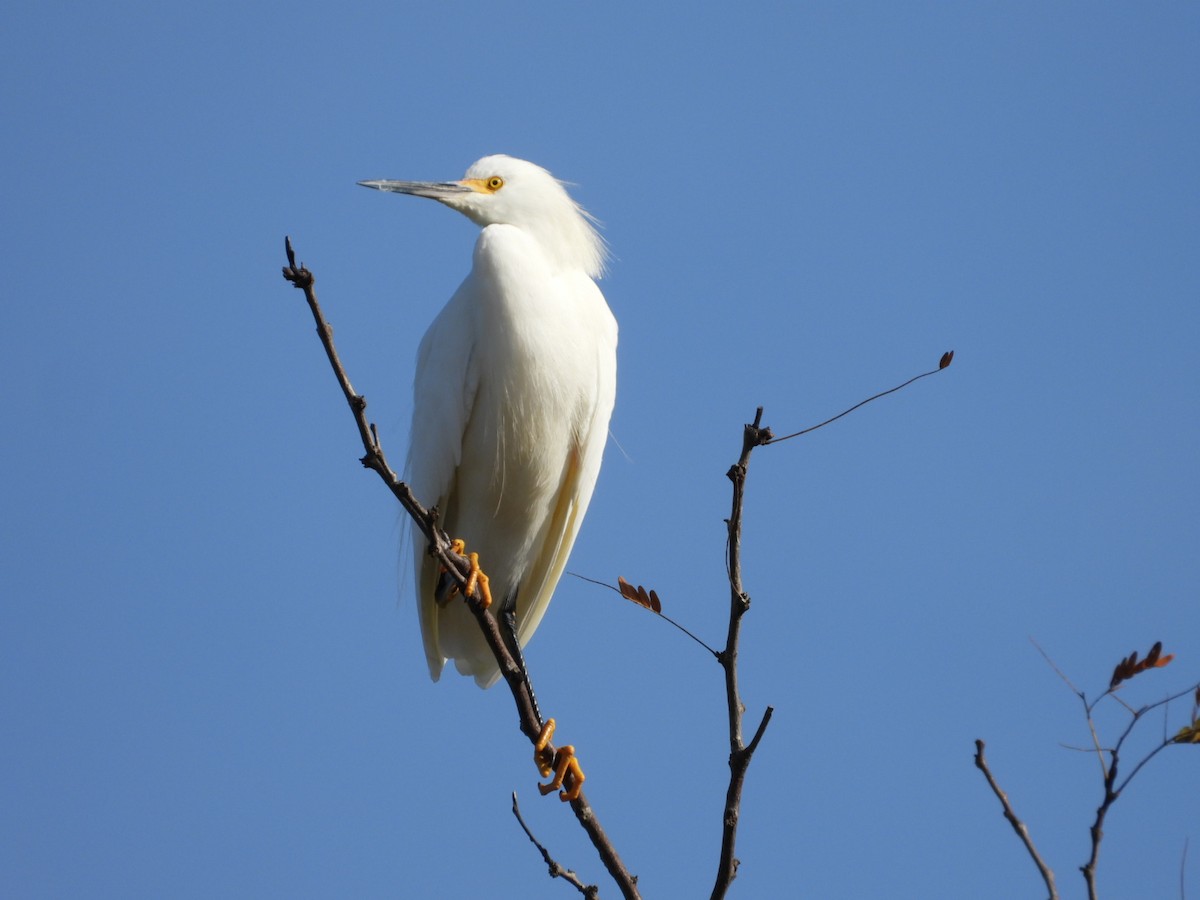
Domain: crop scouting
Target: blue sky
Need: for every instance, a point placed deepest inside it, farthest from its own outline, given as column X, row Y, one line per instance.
column 211, row 680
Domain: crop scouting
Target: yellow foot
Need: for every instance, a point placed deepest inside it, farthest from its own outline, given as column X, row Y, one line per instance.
column 475, row 577
column 563, row 763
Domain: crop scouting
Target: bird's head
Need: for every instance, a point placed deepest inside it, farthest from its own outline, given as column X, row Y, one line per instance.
column 502, row 190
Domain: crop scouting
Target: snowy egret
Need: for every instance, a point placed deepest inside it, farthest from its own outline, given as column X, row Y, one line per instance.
column 515, row 383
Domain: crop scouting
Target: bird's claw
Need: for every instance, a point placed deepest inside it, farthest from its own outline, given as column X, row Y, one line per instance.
column 563, row 763
column 475, row 576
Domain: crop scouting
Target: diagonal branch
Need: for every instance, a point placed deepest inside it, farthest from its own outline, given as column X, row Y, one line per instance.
column 439, row 542
column 1018, row 826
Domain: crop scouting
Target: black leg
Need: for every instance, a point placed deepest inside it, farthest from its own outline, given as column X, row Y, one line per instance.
column 508, row 630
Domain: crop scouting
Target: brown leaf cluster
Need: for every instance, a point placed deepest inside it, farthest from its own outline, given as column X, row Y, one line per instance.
column 946, row 359
column 639, row 595
column 1130, row 665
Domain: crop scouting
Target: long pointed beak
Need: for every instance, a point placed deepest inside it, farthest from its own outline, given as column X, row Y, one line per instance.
column 435, row 190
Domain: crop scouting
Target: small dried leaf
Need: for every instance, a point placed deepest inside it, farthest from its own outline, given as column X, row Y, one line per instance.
column 947, row 357
column 1123, row 670
column 1130, row 666
column 639, row 596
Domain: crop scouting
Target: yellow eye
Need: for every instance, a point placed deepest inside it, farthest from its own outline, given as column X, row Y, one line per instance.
column 495, row 183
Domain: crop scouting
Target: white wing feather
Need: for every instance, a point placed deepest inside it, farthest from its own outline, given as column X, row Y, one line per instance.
column 515, row 386
column 443, row 394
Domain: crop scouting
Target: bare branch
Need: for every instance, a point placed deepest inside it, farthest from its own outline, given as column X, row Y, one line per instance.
column 739, row 602
column 1087, row 708
column 591, row 891
column 1096, row 831
column 515, row 676
column 1018, row 826
column 1110, row 757
column 740, row 753
column 1112, row 788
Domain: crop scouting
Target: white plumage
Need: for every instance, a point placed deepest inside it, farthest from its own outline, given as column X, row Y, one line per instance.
column 515, row 384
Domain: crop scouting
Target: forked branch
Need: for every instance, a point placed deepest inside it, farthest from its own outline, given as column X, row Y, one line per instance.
column 754, row 435
column 740, row 753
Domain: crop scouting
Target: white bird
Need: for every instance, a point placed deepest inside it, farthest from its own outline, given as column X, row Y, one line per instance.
column 515, row 384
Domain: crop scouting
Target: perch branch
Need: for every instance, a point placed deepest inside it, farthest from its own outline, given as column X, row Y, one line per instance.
column 426, row 520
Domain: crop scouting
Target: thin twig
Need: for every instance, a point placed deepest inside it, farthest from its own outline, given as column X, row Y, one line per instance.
column 1052, row 664
column 591, row 891
column 1183, row 871
column 944, row 363
column 515, row 676
column 660, row 614
column 739, row 753
column 1018, row 826
column 1087, row 708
